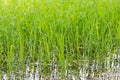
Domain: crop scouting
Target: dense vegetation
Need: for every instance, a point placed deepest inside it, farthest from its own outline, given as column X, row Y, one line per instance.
column 66, row 30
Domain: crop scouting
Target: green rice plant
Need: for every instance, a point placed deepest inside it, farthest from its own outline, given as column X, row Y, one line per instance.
column 66, row 30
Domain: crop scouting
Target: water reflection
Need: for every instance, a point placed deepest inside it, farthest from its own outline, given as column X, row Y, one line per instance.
column 86, row 71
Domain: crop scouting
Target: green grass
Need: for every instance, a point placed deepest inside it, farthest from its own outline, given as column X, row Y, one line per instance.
column 32, row 30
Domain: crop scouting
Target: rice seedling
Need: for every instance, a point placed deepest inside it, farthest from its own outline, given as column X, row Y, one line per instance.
column 58, row 32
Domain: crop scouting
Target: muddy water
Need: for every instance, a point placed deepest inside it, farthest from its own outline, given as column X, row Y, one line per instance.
column 84, row 72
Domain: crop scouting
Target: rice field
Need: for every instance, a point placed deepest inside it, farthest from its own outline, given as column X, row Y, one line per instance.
column 62, row 35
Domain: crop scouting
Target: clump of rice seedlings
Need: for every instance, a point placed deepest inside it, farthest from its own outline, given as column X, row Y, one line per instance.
column 66, row 30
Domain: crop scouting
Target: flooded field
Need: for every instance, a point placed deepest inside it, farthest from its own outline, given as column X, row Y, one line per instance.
column 59, row 39
column 85, row 71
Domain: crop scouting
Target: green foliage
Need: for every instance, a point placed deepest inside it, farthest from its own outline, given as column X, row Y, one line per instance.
column 32, row 30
